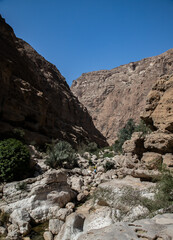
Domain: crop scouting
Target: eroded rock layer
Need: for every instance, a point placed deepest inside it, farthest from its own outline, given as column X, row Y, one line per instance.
column 114, row 96
column 35, row 96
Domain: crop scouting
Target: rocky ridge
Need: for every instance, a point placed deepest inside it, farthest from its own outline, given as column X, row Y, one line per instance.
column 35, row 97
column 114, row 96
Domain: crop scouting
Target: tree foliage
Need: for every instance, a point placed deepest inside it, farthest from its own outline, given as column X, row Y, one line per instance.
column 61, row 155
column 14, row 160
column 126, row 132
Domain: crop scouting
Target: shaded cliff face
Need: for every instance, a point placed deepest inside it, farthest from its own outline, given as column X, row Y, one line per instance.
column 35, row 96
column 114, row 96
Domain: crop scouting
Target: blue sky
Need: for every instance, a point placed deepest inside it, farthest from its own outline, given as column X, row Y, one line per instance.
column 86, row 35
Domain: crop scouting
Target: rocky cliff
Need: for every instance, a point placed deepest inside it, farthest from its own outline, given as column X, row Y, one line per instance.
column 157, row 147
column 114, row 96
column 34, row 96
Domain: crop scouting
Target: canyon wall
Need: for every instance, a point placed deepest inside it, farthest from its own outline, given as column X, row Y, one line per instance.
column 114, row 96
column 35, row 97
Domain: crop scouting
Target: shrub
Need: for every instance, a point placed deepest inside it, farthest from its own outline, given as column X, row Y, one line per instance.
column 61, row 155
column 142, row 127
column 4, row 218
column 108, row 165
column 165, row 186
column 92, row 147
column 108, row 154
column 14, row 160
column 21, row 186
column 125, row 133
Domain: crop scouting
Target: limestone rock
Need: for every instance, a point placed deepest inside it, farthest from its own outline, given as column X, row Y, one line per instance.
column 152, row 160
column 35, row 97
column 48, row 236
column 70, row 205
column 161, row 142
column 76, row 183
column 135, row 145
column 160, row 227
column 113, row 96
column 99, row 218
column 82, row 196
column 63, row 213
column 3, row 231
column 21, row 218
column 72, row 227
column 55, row 226
column 13, row 232
column 158, row 110
column 44, row 196
column 168, row 160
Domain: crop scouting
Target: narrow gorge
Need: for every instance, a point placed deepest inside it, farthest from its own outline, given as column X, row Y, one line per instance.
column 60, row 180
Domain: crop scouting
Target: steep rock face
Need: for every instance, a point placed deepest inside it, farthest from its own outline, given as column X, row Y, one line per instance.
column 156, row 147
column 159, row 106
column 35, row 96
column 114, row 96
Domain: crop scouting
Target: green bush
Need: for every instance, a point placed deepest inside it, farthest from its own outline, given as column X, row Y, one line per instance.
column 61, row 155
column 165, row 185
column 142, row 127
column 92, row 147
column 125, row 133
column 108, row 165
column 14, row 160
column 108, row 154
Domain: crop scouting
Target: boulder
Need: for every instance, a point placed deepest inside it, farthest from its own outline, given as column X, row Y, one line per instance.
column 160, row 142
column 3, row 231
column 63, row 213
column 42, row 199
column 55, row 226
column 13, row 232
column 152, row 160
column 135, row 145
column 82, row 196
column 100, row 217
column 48, row 236
column 21, row 218
column 168, row 160
column 76, row 183
column 158, row 111
column 70, row 205
column 72, row 227
column 159, row 227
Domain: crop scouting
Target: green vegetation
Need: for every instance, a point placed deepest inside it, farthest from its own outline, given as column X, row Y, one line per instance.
column 92, row 147
column 14, row 160
column 108, row 154
column 21, row 186
column 18, row 133
column 142, row 127
column 38, row 231
column 125, row 133
column 4, row 218
column 108, row 165
column 61, row 155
